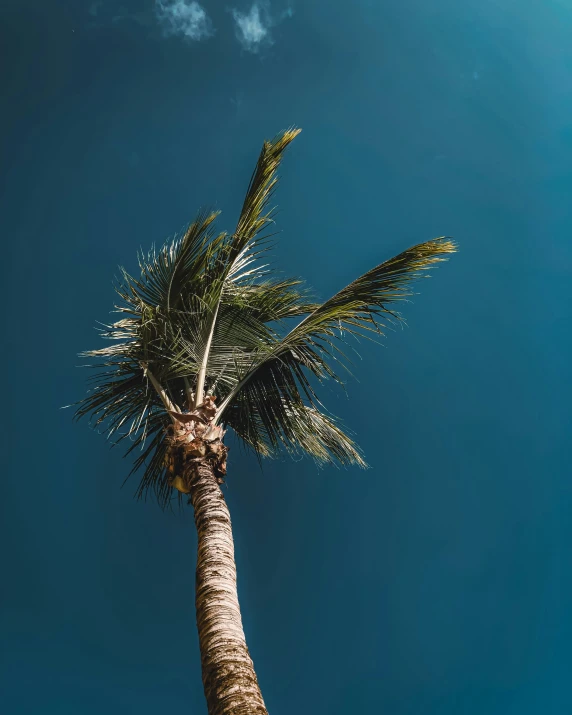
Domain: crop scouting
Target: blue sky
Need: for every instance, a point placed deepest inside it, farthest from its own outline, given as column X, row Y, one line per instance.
column 439, row 580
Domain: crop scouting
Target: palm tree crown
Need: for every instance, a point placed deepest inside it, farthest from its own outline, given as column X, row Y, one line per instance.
column 206, row 317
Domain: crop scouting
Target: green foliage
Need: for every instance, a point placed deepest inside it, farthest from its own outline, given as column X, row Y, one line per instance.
column 205, row 309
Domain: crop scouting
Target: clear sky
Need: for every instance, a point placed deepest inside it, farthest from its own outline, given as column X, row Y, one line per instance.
column 439, row 581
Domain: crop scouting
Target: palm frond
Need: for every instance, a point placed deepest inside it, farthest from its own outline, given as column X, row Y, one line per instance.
column 176, row 269
column 254, row 215
column 358, row 309
column 239, row 251
column 277, row 411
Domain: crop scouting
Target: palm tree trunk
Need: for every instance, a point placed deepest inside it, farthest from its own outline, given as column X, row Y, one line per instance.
column 229, row 680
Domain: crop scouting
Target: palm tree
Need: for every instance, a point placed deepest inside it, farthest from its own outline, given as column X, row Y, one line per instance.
column 211, row 339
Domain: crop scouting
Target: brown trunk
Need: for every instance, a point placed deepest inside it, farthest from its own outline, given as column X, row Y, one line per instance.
column 229, row 680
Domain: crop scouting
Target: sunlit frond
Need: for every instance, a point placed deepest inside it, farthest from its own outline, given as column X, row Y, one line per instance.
column 255, row 214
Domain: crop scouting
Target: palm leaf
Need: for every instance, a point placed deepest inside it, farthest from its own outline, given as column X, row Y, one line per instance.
column 254, row 215
column 357, row 309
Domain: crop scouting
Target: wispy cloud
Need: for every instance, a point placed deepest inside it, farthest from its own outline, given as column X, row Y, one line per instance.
column 184, row 17
column 253, row 28
column 253, row 25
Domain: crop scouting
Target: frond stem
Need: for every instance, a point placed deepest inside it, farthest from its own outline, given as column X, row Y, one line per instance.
column 170, row 406
column 203, row 369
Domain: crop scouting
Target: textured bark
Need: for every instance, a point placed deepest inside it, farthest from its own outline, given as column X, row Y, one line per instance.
column 229, row 680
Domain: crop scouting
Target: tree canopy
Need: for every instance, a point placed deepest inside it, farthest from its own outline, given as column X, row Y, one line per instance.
column 207, row 316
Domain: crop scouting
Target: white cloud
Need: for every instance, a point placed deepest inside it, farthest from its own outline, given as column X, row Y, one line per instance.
column 252, row 28
column 184, row 17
